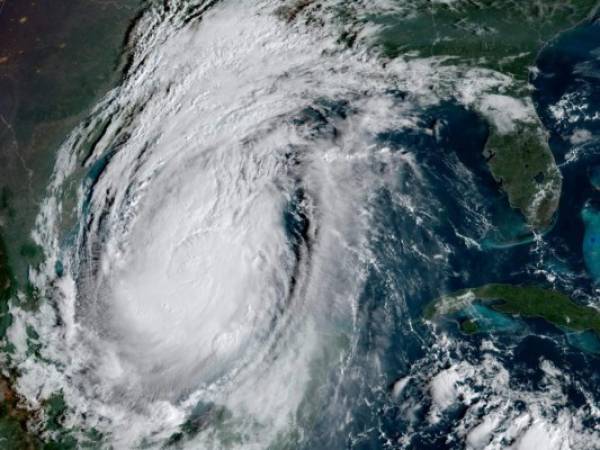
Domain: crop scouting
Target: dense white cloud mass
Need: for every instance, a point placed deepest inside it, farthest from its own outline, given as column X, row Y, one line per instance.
column 218, row 244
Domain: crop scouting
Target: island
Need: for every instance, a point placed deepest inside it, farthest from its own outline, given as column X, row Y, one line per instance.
column 527, row 301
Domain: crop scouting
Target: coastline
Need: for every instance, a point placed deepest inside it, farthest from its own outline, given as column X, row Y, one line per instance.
column 56, row 60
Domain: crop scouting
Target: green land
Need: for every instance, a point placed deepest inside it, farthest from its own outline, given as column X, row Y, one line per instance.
column 469, row 326
column 6, row 289
column 506, row 36
column 526, row 301
column 503, row 35
column 56, row 59
column 525, row 168
column 66, row 57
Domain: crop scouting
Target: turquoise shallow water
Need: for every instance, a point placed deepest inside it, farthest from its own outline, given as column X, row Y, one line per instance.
column 587, row 341
column 591, row 241
column 492, row 321
column 429, row 233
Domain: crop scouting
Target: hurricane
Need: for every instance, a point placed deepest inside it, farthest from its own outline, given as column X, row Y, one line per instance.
column 240, row 236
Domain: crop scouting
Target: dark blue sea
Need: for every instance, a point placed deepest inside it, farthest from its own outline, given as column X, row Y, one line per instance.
column 419, row 260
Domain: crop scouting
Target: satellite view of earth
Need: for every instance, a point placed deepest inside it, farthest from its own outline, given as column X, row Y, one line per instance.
column 300, row 224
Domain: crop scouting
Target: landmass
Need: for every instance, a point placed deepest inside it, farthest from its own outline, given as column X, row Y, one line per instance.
column 469, row 326
column 527, row 301
column 6, row 289
column 506, row 36
column 53, row 83
column 56, row 59
column 523, row 164
column 502, row 35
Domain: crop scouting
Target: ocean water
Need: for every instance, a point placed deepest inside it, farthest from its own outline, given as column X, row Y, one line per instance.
column 258, row 230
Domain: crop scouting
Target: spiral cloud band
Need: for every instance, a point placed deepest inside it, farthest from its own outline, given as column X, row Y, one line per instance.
column 212, row 226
